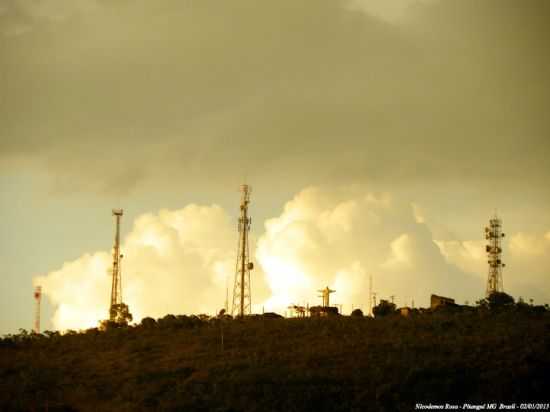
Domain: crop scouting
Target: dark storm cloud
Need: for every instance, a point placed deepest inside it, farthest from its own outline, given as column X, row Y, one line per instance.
column 316, row 89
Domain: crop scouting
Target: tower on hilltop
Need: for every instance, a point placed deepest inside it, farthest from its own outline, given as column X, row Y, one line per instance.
column 242, row 298
column 118, row 311
column 493, row 233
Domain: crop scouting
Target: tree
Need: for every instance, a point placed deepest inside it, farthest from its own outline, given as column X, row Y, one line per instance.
column 148, row 322
column 358, row 313
column 121, row 314
column 384, row 308
column 499, row 300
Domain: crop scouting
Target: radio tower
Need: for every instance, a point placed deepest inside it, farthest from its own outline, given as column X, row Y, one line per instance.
column 37, row 298
column 494, row 234
column 118, row 311
column 242, row 299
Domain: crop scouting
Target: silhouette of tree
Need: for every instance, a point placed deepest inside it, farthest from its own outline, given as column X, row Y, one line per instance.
column 357, row 313
column 499, row 299
column 384, row 308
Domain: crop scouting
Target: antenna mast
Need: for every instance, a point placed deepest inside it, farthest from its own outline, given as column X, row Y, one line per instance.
column 118, row 311
column 494, row 235
column 37, row 298
column 242, row 298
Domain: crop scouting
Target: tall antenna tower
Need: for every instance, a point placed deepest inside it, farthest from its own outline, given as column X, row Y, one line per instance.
column 118, row 311
column 242, row 298
column 37, row 299
column 494, row 235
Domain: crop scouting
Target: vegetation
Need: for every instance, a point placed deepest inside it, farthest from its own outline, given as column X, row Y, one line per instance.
column 265, row 363
column 357, row 313
column 384, row 308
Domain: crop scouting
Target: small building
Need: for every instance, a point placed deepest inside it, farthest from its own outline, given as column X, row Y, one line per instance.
column 318, row 311
column 438, row 301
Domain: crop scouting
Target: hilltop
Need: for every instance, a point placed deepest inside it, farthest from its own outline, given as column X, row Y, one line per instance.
column 261, row 363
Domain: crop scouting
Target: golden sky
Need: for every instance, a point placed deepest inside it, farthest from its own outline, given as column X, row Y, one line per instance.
column 172, row 104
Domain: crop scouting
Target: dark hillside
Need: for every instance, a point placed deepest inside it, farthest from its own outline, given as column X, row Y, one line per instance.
column 264, row 364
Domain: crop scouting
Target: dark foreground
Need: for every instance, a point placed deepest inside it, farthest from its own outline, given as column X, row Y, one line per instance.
column 265, row 364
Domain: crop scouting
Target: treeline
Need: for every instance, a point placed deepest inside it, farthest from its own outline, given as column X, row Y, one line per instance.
column 497, row 351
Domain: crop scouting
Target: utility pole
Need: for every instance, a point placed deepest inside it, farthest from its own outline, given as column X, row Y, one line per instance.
column 370, row 295
column 37, row 299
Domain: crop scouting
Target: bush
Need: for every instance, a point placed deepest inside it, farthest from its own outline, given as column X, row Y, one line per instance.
column 498, row 300
column 148, row 323
column 384, row 308
column 358, row 313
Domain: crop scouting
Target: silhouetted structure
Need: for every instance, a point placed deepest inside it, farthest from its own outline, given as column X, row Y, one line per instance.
column 300, row 311
column 38, row 299
column 494, row 235
column 242, row 298
column 437, row 301
column 118, row 311
column 372, row 296
column 325, row 309
column 315, row 311
column 325, row 295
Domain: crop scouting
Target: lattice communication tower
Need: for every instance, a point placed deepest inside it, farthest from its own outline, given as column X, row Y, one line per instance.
column 493, row 233
column 118, row 311
column 242, row 298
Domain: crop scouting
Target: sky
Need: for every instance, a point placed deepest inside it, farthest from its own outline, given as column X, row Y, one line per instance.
column 379, row 138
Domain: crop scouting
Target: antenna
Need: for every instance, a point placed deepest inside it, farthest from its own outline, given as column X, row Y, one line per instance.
column 242, row 298
column 493, row 233
column 37, row 298
column 118, row 311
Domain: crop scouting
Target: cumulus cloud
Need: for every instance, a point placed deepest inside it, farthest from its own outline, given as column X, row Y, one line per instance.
column 180, row 261
column 174, row 262
column 527, row 258
column 341, row 237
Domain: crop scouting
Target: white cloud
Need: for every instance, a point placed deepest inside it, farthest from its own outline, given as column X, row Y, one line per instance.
column 527, row 258
column 340, row 237
column 174, row 262
column 179, row 261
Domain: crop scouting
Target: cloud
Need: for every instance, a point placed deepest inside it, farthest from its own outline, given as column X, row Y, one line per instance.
column 340, row 237
column 174, row 262
column 280, row 88
column 180, row 261
column 527, row 258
